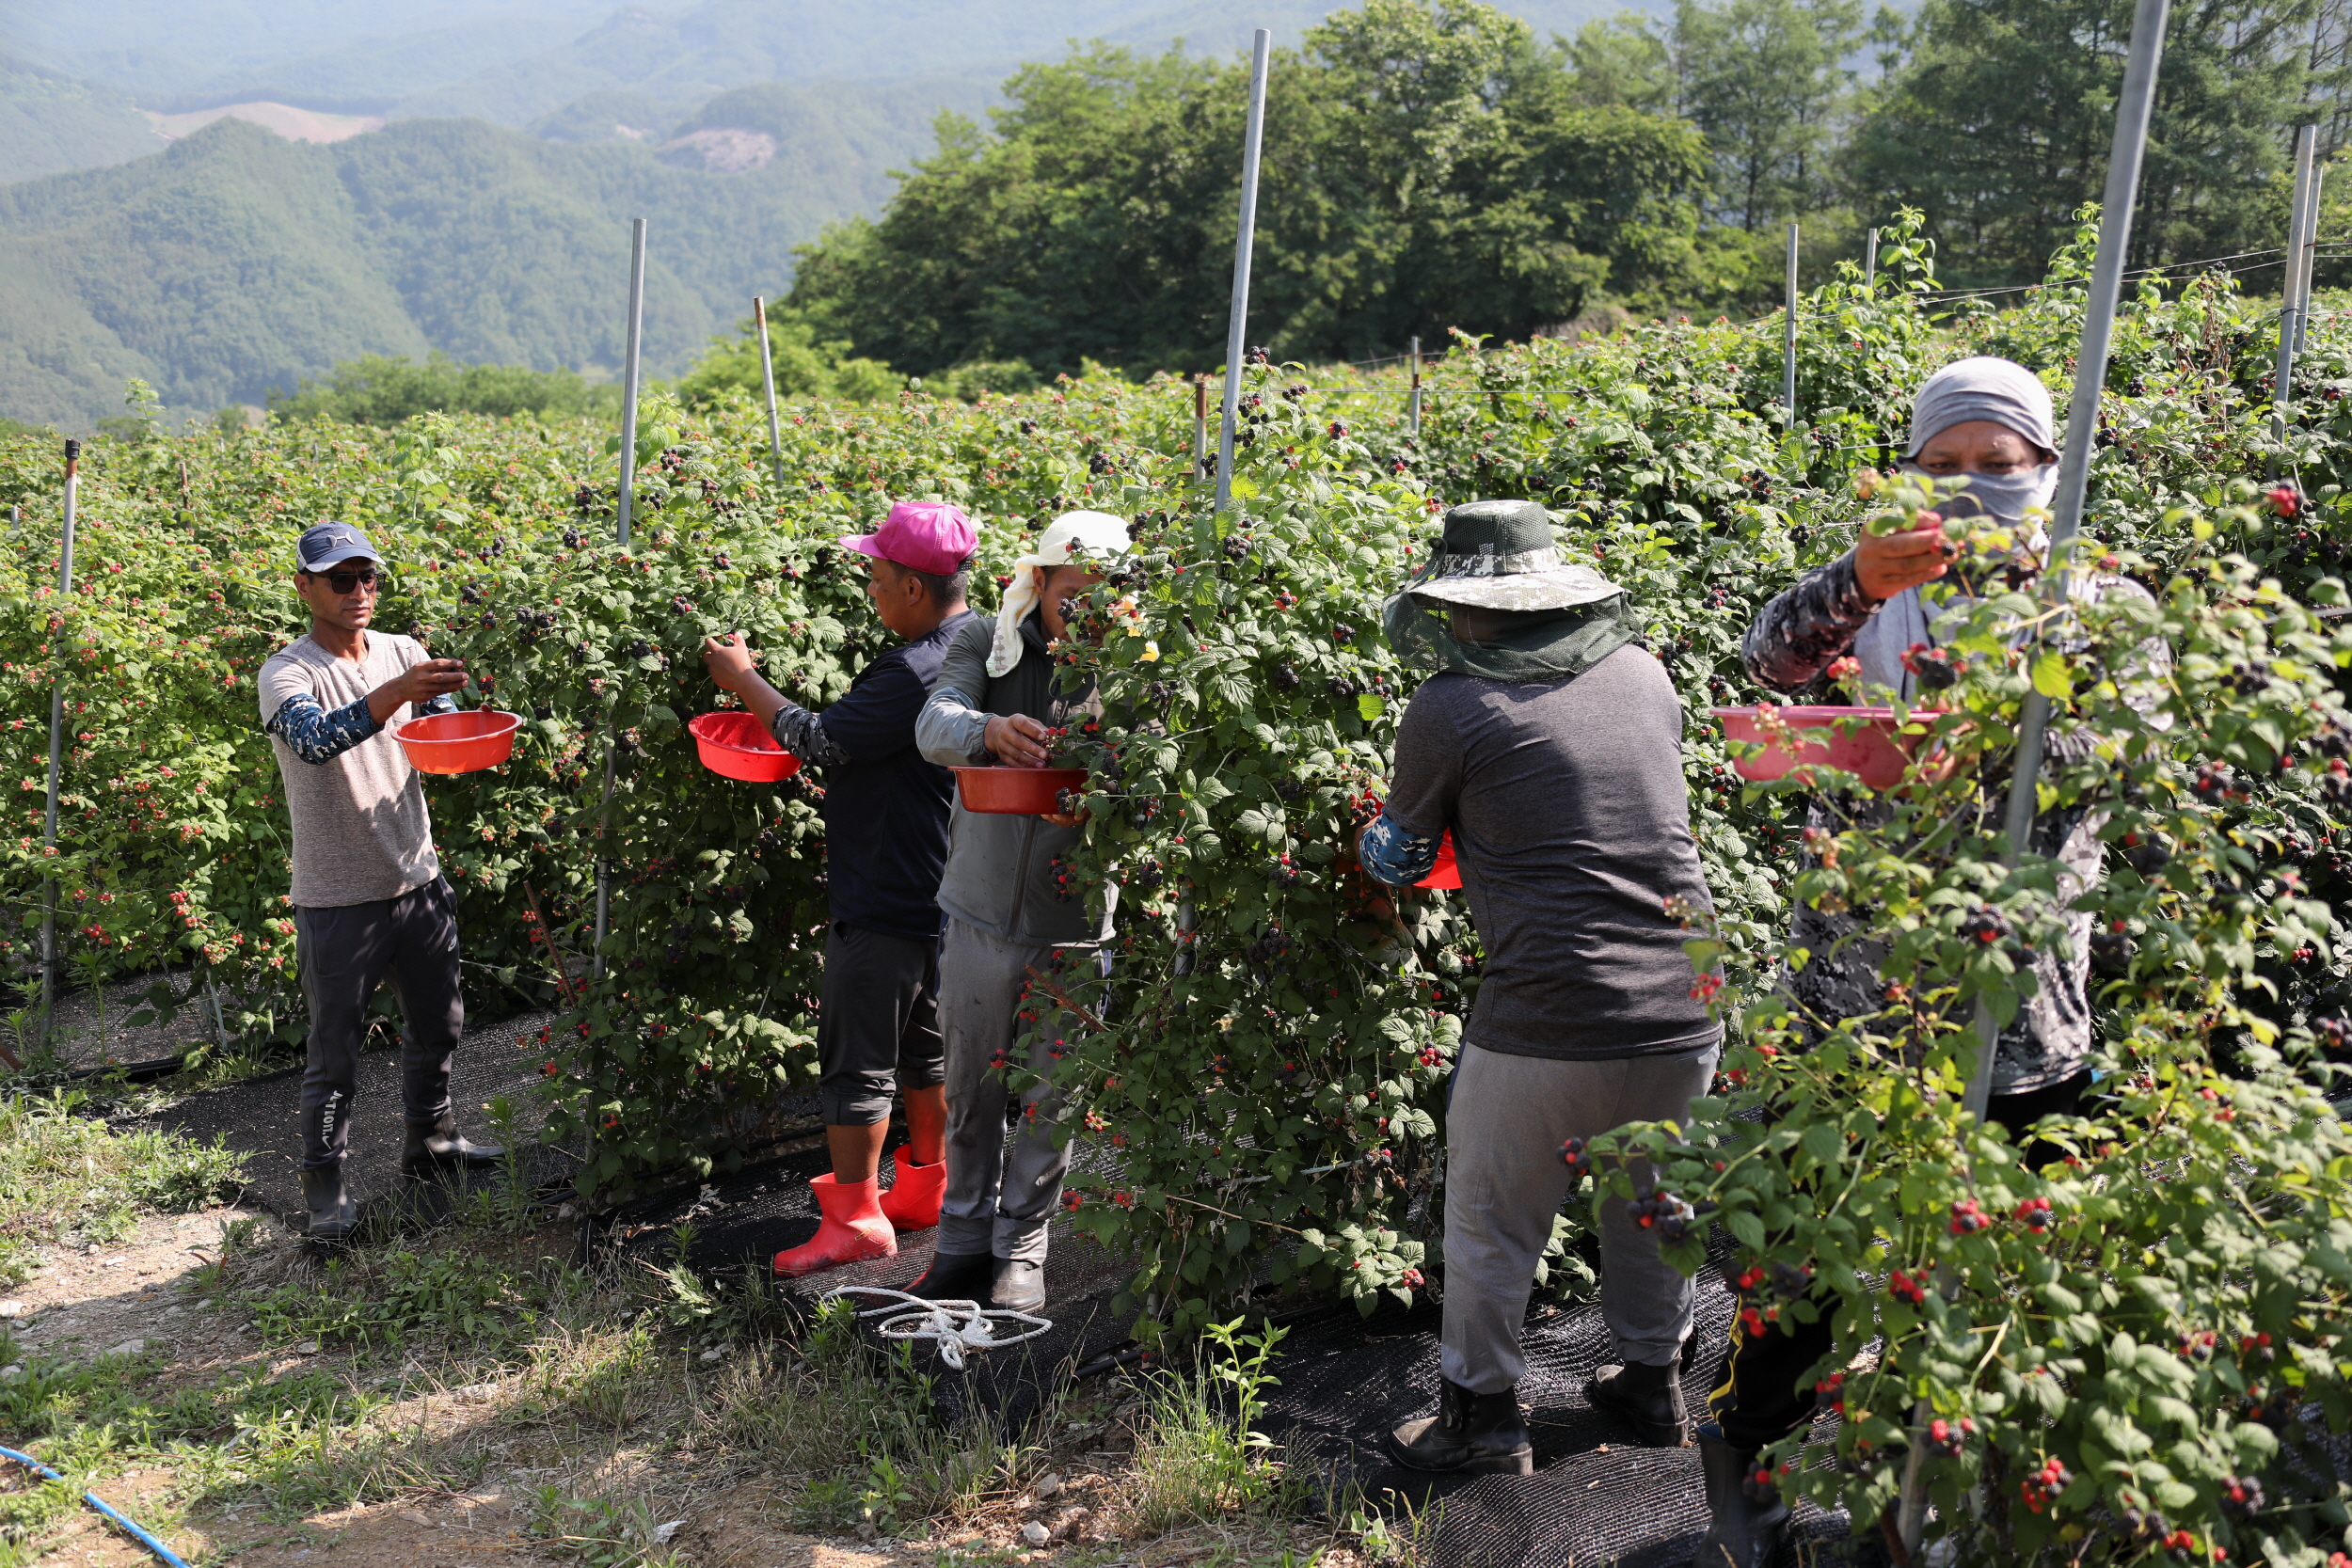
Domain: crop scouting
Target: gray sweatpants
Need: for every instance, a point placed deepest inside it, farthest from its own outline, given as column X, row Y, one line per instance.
column 999, row 1198
column 1505, row 1180
column 344, row 953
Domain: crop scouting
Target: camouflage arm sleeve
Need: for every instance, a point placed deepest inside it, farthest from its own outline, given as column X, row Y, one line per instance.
column 1796, row 636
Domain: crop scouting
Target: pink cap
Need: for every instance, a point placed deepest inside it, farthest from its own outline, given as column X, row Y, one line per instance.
column 929, row 536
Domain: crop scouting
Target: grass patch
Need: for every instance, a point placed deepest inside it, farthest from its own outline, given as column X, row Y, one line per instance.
column 66, row 1176
column 1201, row 1460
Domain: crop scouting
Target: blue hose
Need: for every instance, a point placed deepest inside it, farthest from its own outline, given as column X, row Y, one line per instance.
column 163, row 1553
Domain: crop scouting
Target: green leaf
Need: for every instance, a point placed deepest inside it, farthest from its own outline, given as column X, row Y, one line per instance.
column 2050, row 677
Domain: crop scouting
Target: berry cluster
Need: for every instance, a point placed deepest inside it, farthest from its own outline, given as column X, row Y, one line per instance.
column 1579, row 1163
column 2034, row 1214
column 1903, row 1288
column 1663, row 1213
column 1968, row 1218
column 1947, row 1438
column 2040, row 1489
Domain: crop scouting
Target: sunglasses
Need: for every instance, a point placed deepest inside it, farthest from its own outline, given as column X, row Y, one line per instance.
column 344, row 582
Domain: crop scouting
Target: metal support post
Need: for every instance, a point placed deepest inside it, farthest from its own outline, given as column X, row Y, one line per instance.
column 1789, row 337
column 1244, row 242
column 768, row 385
column 2082, row 424
column 1200, row 427
column 2291, row 300
column 1412, row 406
column 56, row 743
column 1870, row 262
column 629, row 374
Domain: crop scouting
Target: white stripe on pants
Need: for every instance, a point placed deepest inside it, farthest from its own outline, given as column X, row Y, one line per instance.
column 1505, row 1180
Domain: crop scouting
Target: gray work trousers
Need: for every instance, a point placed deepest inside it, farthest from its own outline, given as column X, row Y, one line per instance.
column 344, row 953
column 1001, row 1192
column 1505, row 1180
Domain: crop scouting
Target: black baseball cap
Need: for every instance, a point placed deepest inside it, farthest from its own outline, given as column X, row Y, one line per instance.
column 331, row 543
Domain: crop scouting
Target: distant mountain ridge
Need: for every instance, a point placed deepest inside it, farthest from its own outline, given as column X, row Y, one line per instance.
column 236, row 260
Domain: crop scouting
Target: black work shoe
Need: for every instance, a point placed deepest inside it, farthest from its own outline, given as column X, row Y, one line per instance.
column 1477, row 1434
column 954, row 1277
column 334, row 1214
column 1647, row 1399
column 1746, row 1519
column 439, row 1144
column 1017, row 1287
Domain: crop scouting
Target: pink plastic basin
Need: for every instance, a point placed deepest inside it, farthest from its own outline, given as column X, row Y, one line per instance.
column 1863, row 741
column 735, row 745
column 1017, row 791
column 458, row 742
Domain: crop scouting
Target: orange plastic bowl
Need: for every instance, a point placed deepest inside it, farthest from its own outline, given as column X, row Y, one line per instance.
column 464, row 742
column 1864, row 741
column 1017, row 791
column 735, row 745
column 1447, row 872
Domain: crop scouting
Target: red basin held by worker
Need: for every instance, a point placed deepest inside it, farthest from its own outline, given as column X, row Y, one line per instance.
column 735, row 745
column 1447, row 873
column 464, row 742
column 1017, row 791
column 1864, row 741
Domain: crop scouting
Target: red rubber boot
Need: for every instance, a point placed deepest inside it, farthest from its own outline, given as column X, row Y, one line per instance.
column 853, row 1229
column 913, row 1201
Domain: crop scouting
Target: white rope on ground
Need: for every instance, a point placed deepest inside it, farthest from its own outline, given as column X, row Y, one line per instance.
column 912, row 1318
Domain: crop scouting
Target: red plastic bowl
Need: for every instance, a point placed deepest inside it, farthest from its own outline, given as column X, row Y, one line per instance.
column 735, row 745
column 1864, row 741
column 464, row 742
column 1017, row 791
column 1447, row 872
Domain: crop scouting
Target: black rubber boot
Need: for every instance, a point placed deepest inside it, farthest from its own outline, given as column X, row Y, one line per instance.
column 1647, row 1399
column 1477, row 1434
column 334, row 1215
column 1017, row 1287
column 955, row 1276
column 1746, row 1519
column 439, row 1146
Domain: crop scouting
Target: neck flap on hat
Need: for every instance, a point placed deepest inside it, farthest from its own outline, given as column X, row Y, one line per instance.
column 1520, row 645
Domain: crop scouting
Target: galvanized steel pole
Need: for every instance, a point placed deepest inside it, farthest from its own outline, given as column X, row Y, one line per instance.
column 2291, row 300
column 1789, row 337
column 56, row 743
column 629, row 373
column 1412, row 407
column 1870, row 262
column 1200, row 427
column 1244, row 242
column 768, row 385
column 2305, row 252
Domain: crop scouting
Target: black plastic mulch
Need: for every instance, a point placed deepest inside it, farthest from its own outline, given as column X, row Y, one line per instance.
column 1346, row 1379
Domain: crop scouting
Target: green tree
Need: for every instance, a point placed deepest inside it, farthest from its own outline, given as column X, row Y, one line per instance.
column 384, row 389
column 1763, row 79
column 1997, row 117
column 1428, row 164
column 1620, row 61
column 803, row 366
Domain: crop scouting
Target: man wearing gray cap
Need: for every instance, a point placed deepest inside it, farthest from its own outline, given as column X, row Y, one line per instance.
column 1552, row 751
column 369, row 897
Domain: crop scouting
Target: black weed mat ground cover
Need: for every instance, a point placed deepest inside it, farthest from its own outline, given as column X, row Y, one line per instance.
column 1346, row 1379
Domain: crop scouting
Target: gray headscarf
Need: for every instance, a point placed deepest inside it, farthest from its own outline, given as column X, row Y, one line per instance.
column 1982, row 387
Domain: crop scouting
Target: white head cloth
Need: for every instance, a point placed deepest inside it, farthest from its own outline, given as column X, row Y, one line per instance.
column 1982, row 387
column 1074, row 536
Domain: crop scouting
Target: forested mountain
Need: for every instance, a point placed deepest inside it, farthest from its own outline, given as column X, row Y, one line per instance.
column 49, row 123
column 235, row 261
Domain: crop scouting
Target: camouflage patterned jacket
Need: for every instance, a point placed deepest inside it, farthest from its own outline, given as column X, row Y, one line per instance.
column 1788, row 649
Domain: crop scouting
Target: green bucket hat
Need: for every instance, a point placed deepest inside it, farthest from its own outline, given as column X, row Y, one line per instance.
column 1497, row 599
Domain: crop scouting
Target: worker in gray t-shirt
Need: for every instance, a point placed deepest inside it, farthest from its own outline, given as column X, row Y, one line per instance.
column 369, row 897
column 1551, row 750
